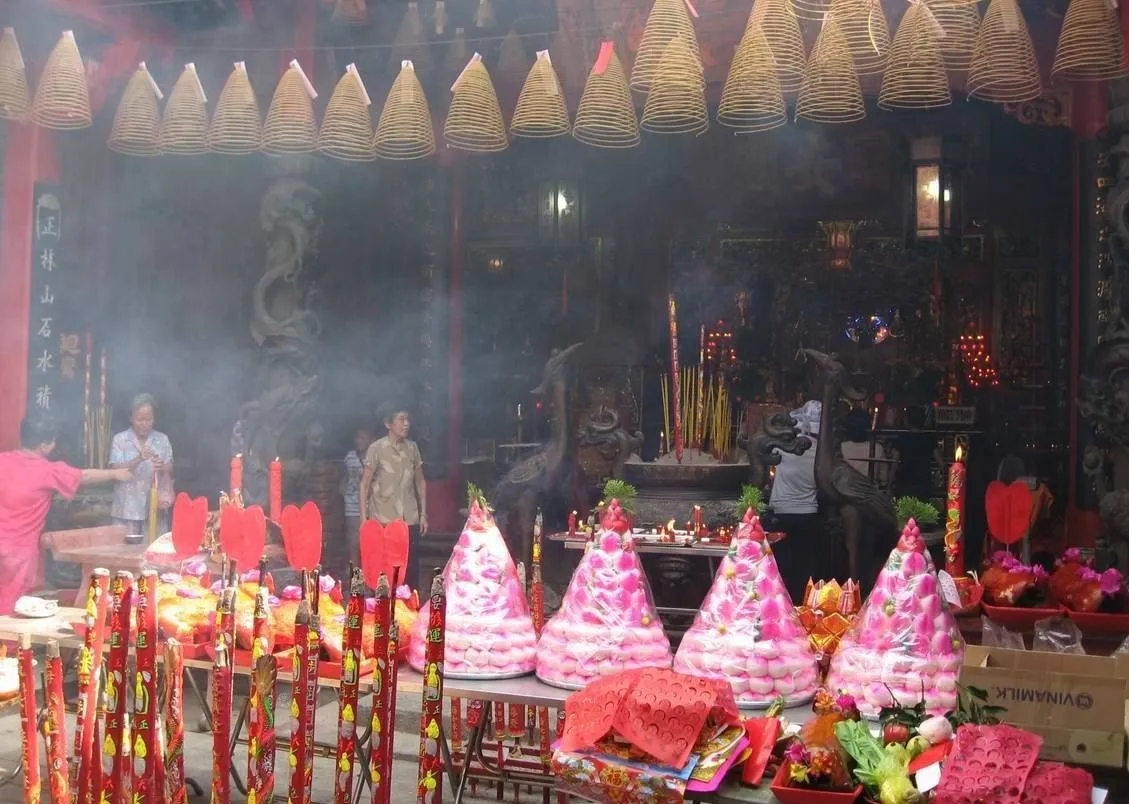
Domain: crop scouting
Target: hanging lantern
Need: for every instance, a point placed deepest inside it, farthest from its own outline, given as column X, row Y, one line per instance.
column 404, row 129
column 291, row 126
column 62, row 99
column 137, row 123
column 15, row 101
column 346, row 129
column 184, row 128
column 237, row 125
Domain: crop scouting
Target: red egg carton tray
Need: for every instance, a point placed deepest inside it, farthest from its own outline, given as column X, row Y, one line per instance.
column 1018, row 616
column 804, row 795
column 326, row 668
column 1101, row 622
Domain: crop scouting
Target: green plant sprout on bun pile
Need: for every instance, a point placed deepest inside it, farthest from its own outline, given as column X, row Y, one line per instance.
column 619, row 490
column 475, row 495
column 751, row 497
column 925, row 514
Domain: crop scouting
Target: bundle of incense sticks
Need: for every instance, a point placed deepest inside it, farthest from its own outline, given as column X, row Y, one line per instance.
column 302, row 702
column 537, row 597
column 29, row 733
column 381, row 727
column 174, row 723
column 88, row 674
column 116, row 687
column 223, row 694
column 390, row 709
column 675, row 374
column 266, row 677
column 55, row 725
column 259, row 644
column 350, row 688
column 429, row 789
column 146, row 754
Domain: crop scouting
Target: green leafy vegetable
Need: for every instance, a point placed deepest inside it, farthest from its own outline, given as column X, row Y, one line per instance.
column 882, row 771
column 924, row 513
column 751, row 497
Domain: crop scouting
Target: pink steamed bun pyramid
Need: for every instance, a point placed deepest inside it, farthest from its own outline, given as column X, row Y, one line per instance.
column 607, row 621
column 747, row 632
column 904, row 643
column 489, row 630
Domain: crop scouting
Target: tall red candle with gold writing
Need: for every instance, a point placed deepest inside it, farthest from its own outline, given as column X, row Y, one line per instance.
column 954, row 516
column 236, row 480
column 274, row 486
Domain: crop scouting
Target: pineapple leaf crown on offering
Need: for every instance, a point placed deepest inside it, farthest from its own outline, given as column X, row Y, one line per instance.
column 621, row 492
column 476, row 499
column 751, row 499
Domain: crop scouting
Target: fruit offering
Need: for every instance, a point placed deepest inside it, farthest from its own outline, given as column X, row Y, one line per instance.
column 747, row 632
column 607, row 621
column 489, row 629
column 905, row 646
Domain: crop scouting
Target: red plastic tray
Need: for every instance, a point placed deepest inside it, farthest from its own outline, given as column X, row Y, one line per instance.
column 1100, row 621
column 1019, row 617
column 803, row 795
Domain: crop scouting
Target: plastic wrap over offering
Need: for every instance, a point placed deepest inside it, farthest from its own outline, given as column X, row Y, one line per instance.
column 905, row 643
column 607, row 621
column 747, row 632
column 489, row 629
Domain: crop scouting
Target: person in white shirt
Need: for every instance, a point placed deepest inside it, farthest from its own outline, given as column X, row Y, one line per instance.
column 803, row 553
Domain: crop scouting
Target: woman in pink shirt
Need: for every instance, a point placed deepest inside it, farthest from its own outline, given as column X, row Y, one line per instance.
column 28, row 485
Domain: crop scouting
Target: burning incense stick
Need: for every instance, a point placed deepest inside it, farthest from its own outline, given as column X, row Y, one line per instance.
column 350, row 684
column 259, row 644
column 55, row 725
column 113, row 755
column 88, row 672
column 266, row 677
column 28, row 713
column 429, row 789
column 381, row 676
column 144, row 729
column 672, row 317
column 301, row 701
column 222, row 696
column 390, row 709
column 174, row 723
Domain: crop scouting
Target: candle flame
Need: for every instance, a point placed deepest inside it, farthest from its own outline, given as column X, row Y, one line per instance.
column 959, row 453
column 670, row 526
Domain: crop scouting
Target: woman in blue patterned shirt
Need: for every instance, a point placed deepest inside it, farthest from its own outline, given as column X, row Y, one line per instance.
column 351, row 490
column 143, row 451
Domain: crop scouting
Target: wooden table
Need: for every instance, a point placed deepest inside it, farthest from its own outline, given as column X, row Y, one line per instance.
column 113, row 557
column 42, row 630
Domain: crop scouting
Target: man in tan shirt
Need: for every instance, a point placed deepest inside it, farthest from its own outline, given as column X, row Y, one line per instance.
column 393, row 487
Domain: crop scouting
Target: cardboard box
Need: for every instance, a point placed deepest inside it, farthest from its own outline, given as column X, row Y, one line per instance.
column 1077, row 704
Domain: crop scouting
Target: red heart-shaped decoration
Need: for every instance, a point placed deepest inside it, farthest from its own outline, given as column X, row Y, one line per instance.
column 396, row 547
column 231, row 530
column 189, row 518
column 372, row 552
column 1009, row 510
column 254, row 538
column 302, row 535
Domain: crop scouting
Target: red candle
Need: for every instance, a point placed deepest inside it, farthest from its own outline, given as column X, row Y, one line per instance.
column 146, row 752
column 174, row 722
column 236, row 474
column 116, row 687
column 29, row 731
column 429, row 788
column 572, row 524
column 275, row 489
column 55, row 726
column 381, row 676
column 675, row 379
column 86, row 714
column 954, row 517
column 349, row 693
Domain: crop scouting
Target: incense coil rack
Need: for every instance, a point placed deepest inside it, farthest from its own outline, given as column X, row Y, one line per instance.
column 1004, row 67
column 668, row 20
column 474, row 119
column 676, row 103
column 830, row 92
column 541, row 109
column 752, row 99
column 915, row 77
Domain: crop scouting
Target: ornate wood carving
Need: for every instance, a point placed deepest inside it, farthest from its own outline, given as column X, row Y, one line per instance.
column 1051, row 109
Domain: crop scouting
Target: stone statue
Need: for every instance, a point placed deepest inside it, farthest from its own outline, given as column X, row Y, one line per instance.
column 602, row 430
column 280, row 422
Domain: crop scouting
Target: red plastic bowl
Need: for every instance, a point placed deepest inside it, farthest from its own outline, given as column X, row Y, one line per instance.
column 803, row 795
column 1100, row 621
column 1019, row 617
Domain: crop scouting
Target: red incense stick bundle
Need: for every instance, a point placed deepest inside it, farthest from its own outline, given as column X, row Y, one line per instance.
column 266, row 677
column 381, row 728
column 146, row 752
column 390, row 711
column 350, row 688
column 29, row 733
column 456, row 729
column 429, row 789
column 174, row 723
column 55, row 726
column 117, row 688
column 301, row 702
column 258, row 650
column 223, row 697
column 88, row 674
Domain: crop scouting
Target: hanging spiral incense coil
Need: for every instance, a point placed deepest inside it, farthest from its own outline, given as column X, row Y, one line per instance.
column 915, row 77
column 830, row 92
column 184, row 128
column 237, row 124
column 62, row 99
column 569, row 64
column 513, row 61
column 669, row 19
column 351, row 12
column 410, row 43
column 752, row 99
column 676, row 103
column 404, row 130
column 961, row 24
column 781, row 29
column 137, row 123
column 1090, row 46
column 1004, row 68
column 810, row 10
column 346, row 129
column 541, row 110
column 866, row 31
column 15, row 100
column 291, row 127
column 474, row 118
column 606, row 117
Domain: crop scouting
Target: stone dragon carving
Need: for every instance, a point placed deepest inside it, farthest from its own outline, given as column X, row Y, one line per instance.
column 602, row 430
column 280, row 422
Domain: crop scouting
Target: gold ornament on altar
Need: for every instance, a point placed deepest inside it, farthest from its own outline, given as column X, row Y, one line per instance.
column 15, row 100
column 1090, row 45
column 237, row 125
column 62, row 99
column 1004, row 68
column 184, row 128
column 827, row 611
column 291, row 126
column 404, row 130
column 676, row 103
column 605, row 117
column 915, row 76
column 752, row 99
column 541, row 110
column 668, row 20
column 474, row 118
column 866, row 31
column 961, row 24
column 137, row 122
column 830, row 92
column 346, row 130
column 410, row 43
column 781, row 30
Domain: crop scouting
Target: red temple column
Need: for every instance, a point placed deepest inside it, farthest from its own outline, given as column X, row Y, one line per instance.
column 29, row 157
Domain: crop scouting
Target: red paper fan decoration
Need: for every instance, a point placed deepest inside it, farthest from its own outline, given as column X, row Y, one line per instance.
column 189, row 518
column 1009, row 510
column 372, row 552
column 301, row 535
